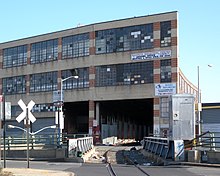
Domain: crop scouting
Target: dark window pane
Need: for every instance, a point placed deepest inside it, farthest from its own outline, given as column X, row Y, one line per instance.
column 124, row 39
column 44, row 51
column 124, row 74
column 165, row 33
column 16, row 56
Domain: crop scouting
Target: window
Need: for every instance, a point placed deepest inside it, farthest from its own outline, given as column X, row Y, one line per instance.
column 43, row 108
column 16, row 110
column 165, row 33
column 14, row 85
column 75, row 46
column 165, row 71
column 16, row 56
column 124, row 39
column 164, row 107
column 124, row 74
column 43, row 82
column 81, row 82
column 44, row 51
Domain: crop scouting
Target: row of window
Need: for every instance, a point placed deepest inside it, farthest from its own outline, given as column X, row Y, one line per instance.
column 124, row 74
column 110, row 75
column 124, row 39
column 45, row 82
column 16, row 110
column 106, row 41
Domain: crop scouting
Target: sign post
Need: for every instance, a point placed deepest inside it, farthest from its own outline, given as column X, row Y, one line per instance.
column 5, row 112
column 4, row 128
column 29, row 117
column 58, row 102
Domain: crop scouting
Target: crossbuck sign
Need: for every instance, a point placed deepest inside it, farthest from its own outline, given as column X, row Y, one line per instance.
column 26, row 111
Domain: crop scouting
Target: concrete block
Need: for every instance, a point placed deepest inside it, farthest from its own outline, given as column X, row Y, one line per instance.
column 213, row 157
column 60, row 153
column 194, row 156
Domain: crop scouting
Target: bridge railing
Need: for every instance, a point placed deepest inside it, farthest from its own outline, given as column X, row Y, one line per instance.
column 164, row 148
column 207, row 141
column 39, row 141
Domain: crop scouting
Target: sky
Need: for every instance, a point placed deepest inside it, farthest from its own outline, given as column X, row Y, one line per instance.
column 198, row 22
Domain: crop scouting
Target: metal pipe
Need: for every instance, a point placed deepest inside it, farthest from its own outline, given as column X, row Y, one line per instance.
column 199, row 103
column 27, row 123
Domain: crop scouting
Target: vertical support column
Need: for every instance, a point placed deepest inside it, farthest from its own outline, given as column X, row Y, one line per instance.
column 156, row 71
column 174, row 71
column 156, row 116
column 174, row 32
column 59, row 49
column 92, row 77
column 156, row 29
column 92, row 43
column 97, row 128
column 27, row 77
column 29, row 54
column 91, row 116
column 174, row 58
column 59, row 75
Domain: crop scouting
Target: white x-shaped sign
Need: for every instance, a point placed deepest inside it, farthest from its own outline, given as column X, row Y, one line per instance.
column 26, row 111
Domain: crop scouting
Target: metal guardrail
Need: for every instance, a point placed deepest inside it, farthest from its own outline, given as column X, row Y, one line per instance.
column 45, row 140
column 158, row 146
column 35, row 141
column 208, row 141
column 82, row 143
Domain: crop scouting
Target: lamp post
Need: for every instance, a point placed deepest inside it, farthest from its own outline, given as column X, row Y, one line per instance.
column 74, row 73
column 4, row 129
column 29, row 133
column 32, row 133
column 199, row 108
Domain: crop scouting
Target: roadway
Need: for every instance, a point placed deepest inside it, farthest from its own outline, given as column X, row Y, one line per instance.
column 101, row 169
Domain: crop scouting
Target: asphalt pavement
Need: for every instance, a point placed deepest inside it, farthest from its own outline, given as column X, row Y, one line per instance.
column 34, row 172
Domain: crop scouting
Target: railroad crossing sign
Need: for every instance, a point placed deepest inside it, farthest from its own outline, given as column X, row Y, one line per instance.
column 26, row 111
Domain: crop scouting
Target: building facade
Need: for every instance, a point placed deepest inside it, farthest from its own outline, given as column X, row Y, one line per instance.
column 127, row 69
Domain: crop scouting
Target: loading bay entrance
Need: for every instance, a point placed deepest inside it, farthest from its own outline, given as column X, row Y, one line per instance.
column 124, row 119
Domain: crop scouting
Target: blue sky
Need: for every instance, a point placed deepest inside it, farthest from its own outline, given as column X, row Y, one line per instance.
column 199, row 27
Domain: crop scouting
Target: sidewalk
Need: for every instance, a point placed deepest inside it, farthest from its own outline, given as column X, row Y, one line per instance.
column 34, row 172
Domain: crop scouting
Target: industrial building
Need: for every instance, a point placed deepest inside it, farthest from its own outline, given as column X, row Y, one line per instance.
column 127, row 69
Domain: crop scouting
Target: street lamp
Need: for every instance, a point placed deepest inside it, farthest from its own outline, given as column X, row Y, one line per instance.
column 199, row 107
column 74, row 73
column 32, row 133
column 29, row 133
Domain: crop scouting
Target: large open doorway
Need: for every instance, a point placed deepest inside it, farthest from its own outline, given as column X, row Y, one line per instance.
column 76, row 117
column 126, row 119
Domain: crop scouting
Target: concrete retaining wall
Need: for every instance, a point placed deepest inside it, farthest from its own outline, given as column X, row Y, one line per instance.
column 42, row 153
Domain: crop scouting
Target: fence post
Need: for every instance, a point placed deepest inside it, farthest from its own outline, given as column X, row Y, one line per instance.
column 9, row 142
column 212, row 141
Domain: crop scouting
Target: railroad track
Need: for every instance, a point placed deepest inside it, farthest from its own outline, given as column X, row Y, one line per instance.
column 112, row 171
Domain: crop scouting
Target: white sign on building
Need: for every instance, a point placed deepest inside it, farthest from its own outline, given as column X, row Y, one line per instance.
column 151, row 55
column 7, row 110
column 57, row 96
column 165, row 89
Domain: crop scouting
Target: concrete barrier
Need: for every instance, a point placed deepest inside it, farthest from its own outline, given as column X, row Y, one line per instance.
column 79, row 145
column 194, row 156
column 213, row 157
